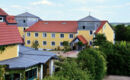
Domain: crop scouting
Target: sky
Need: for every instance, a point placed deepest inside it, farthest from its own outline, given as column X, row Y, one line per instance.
column 111, row 10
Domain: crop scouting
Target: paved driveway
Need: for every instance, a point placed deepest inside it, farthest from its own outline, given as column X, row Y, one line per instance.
column 73, row 54
column 117, row 78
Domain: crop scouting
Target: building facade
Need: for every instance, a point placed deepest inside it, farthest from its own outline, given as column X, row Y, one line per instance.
column 51, row 34
column 25, row 20
column 19, row 62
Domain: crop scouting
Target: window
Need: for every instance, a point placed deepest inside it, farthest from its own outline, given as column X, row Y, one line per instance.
column 61, row 43
column 44, row 35
column 24, row 29
column 36, row 34
column 104, row 27
column 24, row 21
column 61, row 35
column 28, row 41
column 71, row 36
column 1, row 19
column 31, row 74
column 53, row 35
column 53, row 43
column 90, row 42
column 44, row 42
column 28, row 34
column 83, row 27
column 91, row 32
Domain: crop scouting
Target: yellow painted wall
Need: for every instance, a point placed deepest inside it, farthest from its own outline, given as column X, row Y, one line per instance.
column 108, row 31
column 10, row 52
column 86, row 34
column 21, row 30
column 48, row 39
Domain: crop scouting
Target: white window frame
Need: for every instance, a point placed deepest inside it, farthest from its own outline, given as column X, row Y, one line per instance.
column 29, row 34
column 70, row 37
column 54, row 42
column 60, row 35
column 44, row 44
column 52, row 35
column 44, row 33
column 2, row 19
column 29, row 43
column 90, row 31
column 35, row 34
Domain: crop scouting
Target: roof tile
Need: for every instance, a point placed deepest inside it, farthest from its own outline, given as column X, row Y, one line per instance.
column 54, row 26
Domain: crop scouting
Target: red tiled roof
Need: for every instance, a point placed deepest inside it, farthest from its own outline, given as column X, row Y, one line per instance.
column 101, row 26
column 54, row 26
column 9, row 34
column 10, row 19
column 82, row 39
column 2, row 12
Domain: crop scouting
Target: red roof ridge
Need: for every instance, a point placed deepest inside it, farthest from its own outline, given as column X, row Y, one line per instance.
column 10, row 19
column 82, row 39
column 2, row 12
column 101, row 26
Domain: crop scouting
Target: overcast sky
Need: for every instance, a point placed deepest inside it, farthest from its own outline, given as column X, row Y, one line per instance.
column 111, row 10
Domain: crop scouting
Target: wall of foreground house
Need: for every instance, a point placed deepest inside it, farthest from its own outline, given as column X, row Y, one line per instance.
column 9, row 52
column 48, row 39
column 109, row 32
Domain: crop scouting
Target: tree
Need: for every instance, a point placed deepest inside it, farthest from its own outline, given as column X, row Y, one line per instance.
column 118, row 58
column 121, row 32
column 93, row 61
column 71, row 71
column 66, row 46
column 35, row 45
column 99, row 39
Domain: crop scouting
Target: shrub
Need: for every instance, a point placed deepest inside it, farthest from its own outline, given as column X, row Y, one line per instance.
column 55, row 78
column 71, row 71
column 118, row 58
column 93, row 61
column 35, row 45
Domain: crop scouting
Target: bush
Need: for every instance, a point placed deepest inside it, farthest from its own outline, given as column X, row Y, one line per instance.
column 69, row 70
column 55, row 78
column 118, row 58
column 93, row 61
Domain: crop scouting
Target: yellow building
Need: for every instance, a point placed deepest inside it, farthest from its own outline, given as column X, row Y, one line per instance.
column 51, row 34
column 18, row 62
column 25, row 20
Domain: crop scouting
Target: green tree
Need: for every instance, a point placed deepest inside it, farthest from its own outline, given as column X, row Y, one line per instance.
column 121, row 32
column 66, row 46
column 99, row 39
column 118, row 57
column 93, row 61
column 71, row 71
column 35, row 45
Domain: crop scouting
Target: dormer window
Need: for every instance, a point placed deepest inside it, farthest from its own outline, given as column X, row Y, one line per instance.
column 46, row 23
column 83, row 27
column 64, row 23
column 1, row 19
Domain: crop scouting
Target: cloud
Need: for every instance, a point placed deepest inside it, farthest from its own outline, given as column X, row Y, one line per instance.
column 42, row 2
column 88, row 1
